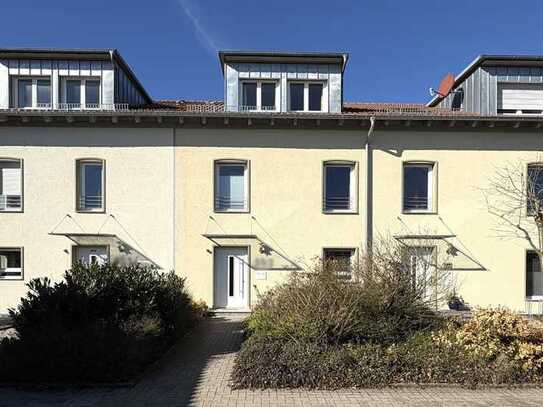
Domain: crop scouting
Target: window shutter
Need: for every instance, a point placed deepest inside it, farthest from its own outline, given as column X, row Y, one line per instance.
column 11, row 181
column 520, row 97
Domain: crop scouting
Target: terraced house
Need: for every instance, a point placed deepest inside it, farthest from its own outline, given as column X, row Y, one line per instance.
column 237, row 194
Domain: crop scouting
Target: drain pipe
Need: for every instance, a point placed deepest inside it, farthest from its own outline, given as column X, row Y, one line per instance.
column 369, row 189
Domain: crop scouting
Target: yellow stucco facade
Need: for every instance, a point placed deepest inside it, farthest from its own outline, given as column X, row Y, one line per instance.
column 160, row 191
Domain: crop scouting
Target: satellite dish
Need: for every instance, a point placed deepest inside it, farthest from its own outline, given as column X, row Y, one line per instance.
column 445, row 86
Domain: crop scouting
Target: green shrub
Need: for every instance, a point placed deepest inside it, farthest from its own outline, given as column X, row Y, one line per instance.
column 101, row 323
column 320, row 307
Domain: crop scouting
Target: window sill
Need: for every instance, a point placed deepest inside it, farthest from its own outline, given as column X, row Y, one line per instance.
column 537, row 298
column 346, row 212
column 12, row 211
column 418, row 212
column 90, row 211
column 231, row 211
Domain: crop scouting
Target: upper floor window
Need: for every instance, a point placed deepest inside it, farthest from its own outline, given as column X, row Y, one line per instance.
column 339, row 187
column 258, row 95
column 306, row 96
column 11, row 263
column 32, row 93
column 11, row 185
column 340, row 261
column 418, row 187
column 534, row 192
column 520, row 98
column 80, row 93
column 231, row 186
column 90, row 185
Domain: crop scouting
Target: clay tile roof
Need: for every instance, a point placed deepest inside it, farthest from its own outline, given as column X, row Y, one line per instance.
column 349, row 108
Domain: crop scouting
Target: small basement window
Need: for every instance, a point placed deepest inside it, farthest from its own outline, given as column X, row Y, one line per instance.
column 11, row 263
column 340, row 261
column 534, row 276
column 418, row 187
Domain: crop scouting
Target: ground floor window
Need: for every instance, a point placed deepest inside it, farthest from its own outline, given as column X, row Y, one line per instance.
column 534, row 276
column 340, row 261
column 11, row 263
column 89, row 255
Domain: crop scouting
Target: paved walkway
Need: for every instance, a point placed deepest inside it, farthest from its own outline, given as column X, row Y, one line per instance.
column 197, row 370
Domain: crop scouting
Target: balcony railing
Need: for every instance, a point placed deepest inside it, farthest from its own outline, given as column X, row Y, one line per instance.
column 244, row 108
column 90, row 203
column 223, row 203
column 414, row 203
column 93, row 106
column 338, row 203
column 10, row 203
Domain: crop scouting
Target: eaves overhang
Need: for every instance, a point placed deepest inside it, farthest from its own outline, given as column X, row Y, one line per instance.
column 339, row 58
column 177, row 119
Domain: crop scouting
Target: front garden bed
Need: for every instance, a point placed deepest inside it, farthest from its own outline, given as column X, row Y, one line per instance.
column 319, row 331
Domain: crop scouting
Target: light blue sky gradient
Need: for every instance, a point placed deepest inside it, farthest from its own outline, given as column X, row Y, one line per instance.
column 398, row 49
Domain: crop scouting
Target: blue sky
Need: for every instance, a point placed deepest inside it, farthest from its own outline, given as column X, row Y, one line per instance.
column 398, row 49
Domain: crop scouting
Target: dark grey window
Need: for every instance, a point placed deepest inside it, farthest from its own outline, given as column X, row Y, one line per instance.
column 338, row 188
column 231, row 276
column 44, row 92
column 249, row 96
column 296, row 96
column 11, row 261
column 534, row 276
column 92, row 93
column 340, row 261
column 534, row 193
column 24, row 93
column 268, row 96
column 417, row 187
column 315, row 96
column 73, row 92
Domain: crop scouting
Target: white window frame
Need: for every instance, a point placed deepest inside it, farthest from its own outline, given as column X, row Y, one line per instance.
column 80, row 182
column 324, row 96
column 430, row 187
column 353, row 258
column 353, row 183
column 82, row 102
column 34, row 79
column 222, row 163
column 21, row 186
column 258, row 107
column 20, row 270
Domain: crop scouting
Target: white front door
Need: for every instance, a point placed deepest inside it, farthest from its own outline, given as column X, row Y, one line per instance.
column 231, row 278
column 421, row 266
column 91, row 255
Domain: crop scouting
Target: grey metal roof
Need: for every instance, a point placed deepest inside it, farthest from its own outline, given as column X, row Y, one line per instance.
column 284, row 56
column 102, row 54
column 491, row 59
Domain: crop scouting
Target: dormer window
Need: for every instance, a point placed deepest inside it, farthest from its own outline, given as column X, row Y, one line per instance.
column 32, row 93
column 258, row 95
column 80, row 94
column 306, row 96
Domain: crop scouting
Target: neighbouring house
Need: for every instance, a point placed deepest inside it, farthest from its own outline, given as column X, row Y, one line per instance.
column 236, row 194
